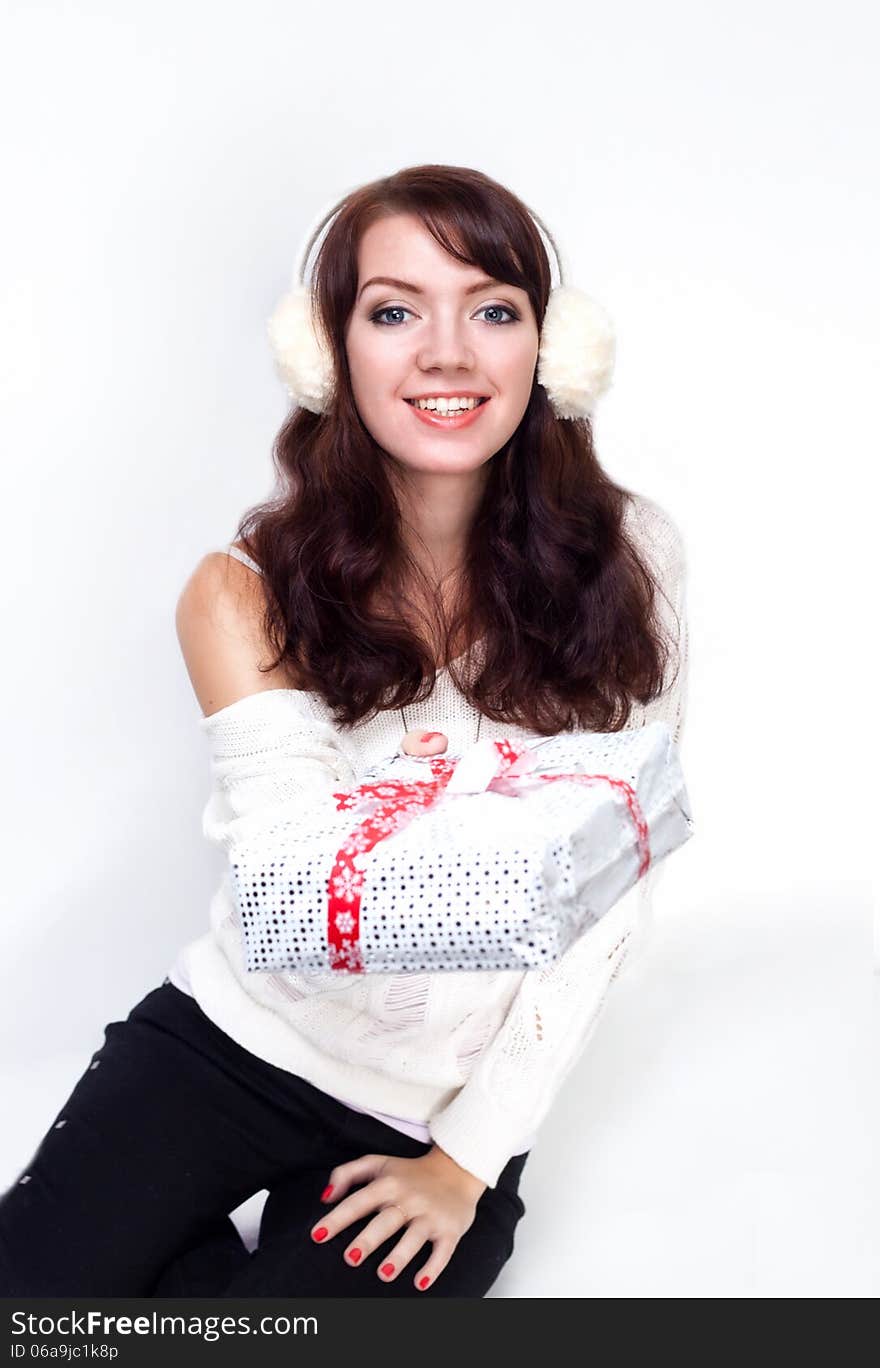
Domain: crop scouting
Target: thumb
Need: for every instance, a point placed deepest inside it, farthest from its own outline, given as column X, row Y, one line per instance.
column 346, row 1176
column 420, row 742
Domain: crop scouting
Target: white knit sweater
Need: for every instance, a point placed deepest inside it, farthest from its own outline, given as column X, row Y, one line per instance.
column 476, row 1057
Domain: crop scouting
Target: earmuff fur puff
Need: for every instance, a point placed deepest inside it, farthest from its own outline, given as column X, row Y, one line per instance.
column 302, row 358
column 576, row 355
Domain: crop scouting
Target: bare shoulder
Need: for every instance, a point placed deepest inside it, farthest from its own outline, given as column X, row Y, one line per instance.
column 220, row 622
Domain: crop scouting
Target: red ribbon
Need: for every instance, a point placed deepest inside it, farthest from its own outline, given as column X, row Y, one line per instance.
column 394, row 803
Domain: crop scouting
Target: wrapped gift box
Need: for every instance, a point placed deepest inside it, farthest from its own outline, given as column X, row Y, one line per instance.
column 497, row 859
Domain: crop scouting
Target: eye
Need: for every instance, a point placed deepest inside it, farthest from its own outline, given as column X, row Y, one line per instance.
column 502, row 308
column 389, row 308
column 376, row 316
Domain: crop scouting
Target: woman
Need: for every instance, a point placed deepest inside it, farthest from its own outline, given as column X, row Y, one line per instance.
column 468, row 573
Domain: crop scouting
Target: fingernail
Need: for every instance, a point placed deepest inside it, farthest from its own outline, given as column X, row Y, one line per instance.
column 429, row 736
column 388, row 1269
column 320, row 1233
column 423, row 1282
column 355, row 1255
column 326, row 1193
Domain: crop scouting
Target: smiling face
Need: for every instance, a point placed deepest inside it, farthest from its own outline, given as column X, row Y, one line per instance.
column 442, row 329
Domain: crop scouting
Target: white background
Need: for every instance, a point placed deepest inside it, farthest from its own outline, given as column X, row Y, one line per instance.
column 709, row 173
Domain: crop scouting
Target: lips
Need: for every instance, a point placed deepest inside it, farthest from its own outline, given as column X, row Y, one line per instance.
column 449, row 422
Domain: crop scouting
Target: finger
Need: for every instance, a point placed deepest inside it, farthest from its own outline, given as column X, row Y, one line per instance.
column 421, row 742
column 355, row 1207
column 345, row 1176
column 375, row 1233
column 441, row 1252
column 403, row 1252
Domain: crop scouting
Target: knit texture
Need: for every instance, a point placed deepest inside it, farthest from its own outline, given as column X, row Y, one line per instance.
column 479, row 1057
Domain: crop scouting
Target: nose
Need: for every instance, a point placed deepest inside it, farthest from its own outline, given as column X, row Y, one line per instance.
column 445, row 346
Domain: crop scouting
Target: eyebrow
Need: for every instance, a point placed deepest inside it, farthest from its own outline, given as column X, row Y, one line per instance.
column 415, row 289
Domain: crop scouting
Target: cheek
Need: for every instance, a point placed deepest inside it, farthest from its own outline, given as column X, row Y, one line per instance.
column 520, row 375
column 374, row 381
column 520, row 362
column 364, row 360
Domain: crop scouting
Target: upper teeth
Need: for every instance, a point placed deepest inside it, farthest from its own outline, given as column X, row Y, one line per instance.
column 445, row 405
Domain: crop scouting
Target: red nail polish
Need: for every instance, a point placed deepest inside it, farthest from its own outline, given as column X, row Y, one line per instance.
column 355, row 1255
column 327, row 1191
column 388, row 1269
column 423, row 1282
column 320, row 1233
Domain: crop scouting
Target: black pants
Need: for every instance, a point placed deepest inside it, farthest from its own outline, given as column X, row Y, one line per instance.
column 172, row 1126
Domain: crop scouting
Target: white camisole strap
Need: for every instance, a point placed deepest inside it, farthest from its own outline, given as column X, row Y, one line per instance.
column 243, row 557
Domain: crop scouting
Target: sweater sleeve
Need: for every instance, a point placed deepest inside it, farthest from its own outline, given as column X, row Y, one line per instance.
column 267, row 750
column 555, row 1011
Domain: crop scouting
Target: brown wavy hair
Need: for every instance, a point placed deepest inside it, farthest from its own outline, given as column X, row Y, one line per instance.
column 551, row 583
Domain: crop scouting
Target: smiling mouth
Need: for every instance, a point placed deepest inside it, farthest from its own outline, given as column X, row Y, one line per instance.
column 415, row 403
column 449, row 420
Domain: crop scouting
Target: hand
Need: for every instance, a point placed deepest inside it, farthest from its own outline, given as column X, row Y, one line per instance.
column 413, row 744
column 429, row 1198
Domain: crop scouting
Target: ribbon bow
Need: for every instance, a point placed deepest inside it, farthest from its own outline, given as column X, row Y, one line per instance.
column 488, row 766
